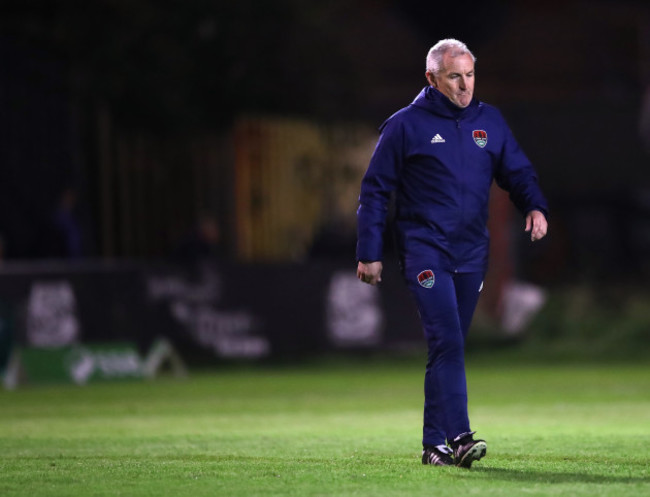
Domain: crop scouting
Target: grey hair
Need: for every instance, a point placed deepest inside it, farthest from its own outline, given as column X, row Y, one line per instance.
column 434, row 57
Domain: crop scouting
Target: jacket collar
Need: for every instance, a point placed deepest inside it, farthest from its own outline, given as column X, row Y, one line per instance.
column 435, row 102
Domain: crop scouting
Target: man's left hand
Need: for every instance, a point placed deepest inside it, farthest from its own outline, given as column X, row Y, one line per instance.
column 537, row 225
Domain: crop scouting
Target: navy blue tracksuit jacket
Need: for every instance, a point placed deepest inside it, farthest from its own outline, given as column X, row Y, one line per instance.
column 440, row 160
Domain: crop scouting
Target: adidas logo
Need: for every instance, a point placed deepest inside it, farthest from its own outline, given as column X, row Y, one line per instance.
column 437, row 139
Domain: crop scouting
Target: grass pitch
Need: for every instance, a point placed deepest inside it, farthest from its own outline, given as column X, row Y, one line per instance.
column 328, row 430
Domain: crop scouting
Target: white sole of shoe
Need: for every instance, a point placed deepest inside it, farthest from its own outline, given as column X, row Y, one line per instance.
column 478, row 450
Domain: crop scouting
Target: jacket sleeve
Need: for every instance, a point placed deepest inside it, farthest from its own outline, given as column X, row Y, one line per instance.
column 516, row 175
column 380, row 180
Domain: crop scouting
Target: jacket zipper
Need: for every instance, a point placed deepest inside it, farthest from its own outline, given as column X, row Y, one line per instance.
column 463, row 171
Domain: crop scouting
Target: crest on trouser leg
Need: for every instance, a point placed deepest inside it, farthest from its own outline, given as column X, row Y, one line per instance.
column 426, row 278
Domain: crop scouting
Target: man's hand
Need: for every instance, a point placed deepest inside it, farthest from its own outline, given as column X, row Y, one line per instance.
column 370, row 272
column 537, row 225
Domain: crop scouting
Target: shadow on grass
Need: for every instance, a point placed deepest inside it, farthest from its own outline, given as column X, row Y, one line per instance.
column 556, row 476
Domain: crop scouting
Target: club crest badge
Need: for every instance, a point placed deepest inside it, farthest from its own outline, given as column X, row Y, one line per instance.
column 480, row 137
column 426, row 278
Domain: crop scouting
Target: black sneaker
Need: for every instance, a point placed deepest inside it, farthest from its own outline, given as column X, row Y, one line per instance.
column 467, row 450
column 440, row 455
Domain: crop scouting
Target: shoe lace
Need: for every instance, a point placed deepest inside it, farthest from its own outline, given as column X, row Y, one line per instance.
column 462, row 437
column 444, row 449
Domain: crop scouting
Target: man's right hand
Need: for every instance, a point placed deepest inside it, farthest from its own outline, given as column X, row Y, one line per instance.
column 370, row 272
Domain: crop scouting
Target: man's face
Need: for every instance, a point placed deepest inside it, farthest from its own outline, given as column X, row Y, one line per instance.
column 455, row 79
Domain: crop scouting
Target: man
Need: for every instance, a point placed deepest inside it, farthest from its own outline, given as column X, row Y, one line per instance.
column 439, row 156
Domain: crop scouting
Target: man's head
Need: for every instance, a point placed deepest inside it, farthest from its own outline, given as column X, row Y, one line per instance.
column 450, row 69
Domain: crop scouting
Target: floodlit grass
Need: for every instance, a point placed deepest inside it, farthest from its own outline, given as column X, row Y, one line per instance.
column 328, row 429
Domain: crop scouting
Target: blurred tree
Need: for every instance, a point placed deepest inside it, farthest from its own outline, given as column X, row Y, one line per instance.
column 174, row 64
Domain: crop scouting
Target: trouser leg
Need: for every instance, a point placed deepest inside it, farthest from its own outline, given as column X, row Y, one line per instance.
column 446, row 311
column 468, row 290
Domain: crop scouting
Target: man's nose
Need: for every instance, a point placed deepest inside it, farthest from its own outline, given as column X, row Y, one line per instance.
column 463, row 83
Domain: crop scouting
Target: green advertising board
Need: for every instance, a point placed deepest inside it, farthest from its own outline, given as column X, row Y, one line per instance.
column 85, row 363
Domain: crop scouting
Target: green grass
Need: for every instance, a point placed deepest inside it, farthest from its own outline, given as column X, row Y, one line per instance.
column 335, row 429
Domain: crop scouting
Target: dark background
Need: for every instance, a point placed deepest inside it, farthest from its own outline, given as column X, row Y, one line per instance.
column 569, row 76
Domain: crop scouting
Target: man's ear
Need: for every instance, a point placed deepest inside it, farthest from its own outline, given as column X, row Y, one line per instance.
column 431, row 79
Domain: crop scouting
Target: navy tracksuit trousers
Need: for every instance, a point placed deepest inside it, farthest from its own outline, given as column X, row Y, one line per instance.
column 446, row 309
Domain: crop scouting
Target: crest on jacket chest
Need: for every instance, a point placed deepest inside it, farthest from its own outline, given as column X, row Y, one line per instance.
column 480, row 137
